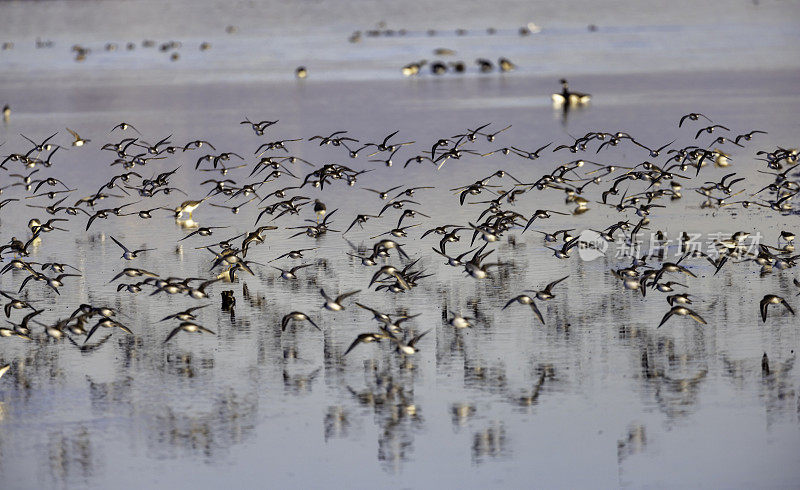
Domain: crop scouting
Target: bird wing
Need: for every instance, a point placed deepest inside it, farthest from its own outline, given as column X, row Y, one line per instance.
column 327, row 298
column 121, row 245
column 361, row 338
column 696, row 317
column 552, row 284
column 666, row 317
column 537, row 312
column 172, row 334
column 510, row 302
column 418, row 337
column 345, row 295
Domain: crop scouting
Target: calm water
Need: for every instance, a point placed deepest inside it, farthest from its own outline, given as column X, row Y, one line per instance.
column 596, row 397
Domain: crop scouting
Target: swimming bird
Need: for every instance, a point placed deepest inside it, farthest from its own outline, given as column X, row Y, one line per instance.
column 771, row 299
column 568, row 98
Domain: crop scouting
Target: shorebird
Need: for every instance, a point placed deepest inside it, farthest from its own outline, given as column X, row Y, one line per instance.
column 203, row 231
column 681, row 311
column 187, row 207
column 546, row 293
column 107, row 323
column 694, row 116
column 366, row 338
column 459, row 321
column 200, row 291
column 188, row 327
column 128, row 254
column 410, row 347
column 290, row 274
column 771, row 299
column 297, row 315
column 124, row 127
column 524, row 299
column 78, row 140
column 336, row 304
column 133, row 272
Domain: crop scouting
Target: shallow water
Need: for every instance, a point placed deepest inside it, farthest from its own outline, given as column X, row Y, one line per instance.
column 596, row 397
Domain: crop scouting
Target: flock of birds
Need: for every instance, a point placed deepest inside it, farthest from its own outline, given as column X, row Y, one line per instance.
column 276, row 181
column 437, row 67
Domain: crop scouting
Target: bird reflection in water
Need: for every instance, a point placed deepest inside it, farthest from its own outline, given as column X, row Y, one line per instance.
column 490, row 443
column 633, row 443
column 394, row 411
column 71, row 455
column 777, row 389
column 336, row 422
column 461, row 413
